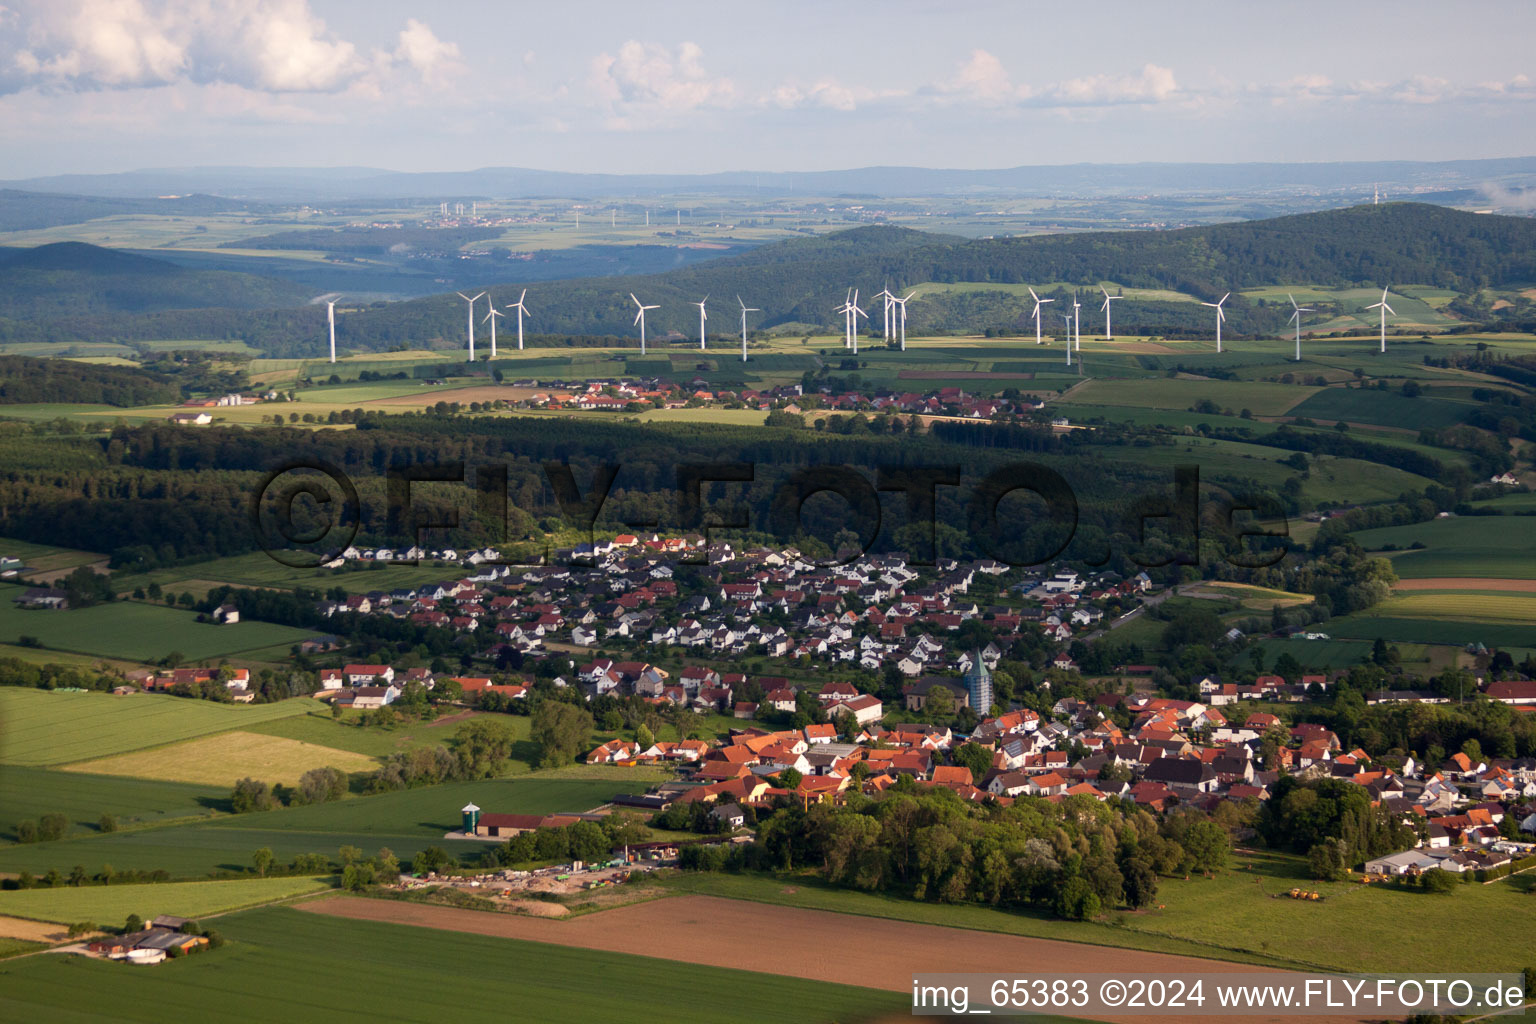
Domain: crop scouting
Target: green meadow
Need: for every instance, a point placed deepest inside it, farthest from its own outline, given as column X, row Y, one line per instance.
column 44, row 727
column 284, row 964
column 137, row 631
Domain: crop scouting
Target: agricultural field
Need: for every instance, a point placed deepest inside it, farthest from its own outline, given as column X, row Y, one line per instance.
column 261, row 570
column 277, row 965
column 1389, row 409
column 1261, row 398
column 1326, row 655
column 111, row 904
column 29, row 793
column 349, row 734
column 139, row 632
column 50, row 728
column 1461, row 605
column 1233, row 916
column 1258, row 598
column 225, row 759
column 1478, row 546
column 1367, row 626
column 406, row 821
column 44, row 557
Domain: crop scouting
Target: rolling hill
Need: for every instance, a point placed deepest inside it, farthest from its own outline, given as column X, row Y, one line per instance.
column 73, row 278
column 800, row 281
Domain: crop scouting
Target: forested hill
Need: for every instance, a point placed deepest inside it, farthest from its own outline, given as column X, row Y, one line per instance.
column 27, row 380
column 73, row 278
column 801, row 281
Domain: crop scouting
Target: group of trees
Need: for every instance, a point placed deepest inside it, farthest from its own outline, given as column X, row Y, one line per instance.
column 587, row 841
column 1077, row 858
column 316, row 786
column 1332, row 822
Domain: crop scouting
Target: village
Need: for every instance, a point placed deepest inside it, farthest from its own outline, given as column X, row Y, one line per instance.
column 931, row 712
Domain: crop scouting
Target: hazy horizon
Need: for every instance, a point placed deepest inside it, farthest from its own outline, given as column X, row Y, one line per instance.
column 92, row 86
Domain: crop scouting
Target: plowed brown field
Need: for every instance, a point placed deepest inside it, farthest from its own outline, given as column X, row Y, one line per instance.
column 814, row 944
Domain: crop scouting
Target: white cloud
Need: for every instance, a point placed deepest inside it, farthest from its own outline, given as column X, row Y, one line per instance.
column 1154, row 84
column 982, row 77
column 827, row 94
column 278, row 46
column 651, row 79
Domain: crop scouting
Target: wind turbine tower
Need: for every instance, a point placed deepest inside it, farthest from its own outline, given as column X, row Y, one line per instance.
column 901, row 305
column 1296, row 317
column 745, row 309
column 640, row 319
column 330, row 319
column 885, row 293
column 854, row 312
column 471, row 302
column 1067, row 319
column 1077, row 324
column 1220, row 316
column 1108, row 298
column 1382, row 305
column 491, row 316
column 521, row 310
column 1039, row 302
column 702, row 317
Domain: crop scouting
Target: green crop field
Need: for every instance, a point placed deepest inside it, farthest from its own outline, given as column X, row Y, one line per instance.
column 1366, row 626
column 1465, row 605
column 44, row 727
column 283, row 964
column 45, row 557
column 348, row 733
column 111, row 904
column 407, row 822
column 260, row 570
column 29, row 793
column 1233, row 916
column 1318, row 655
column 1261, row 398
column 1387, row 409
column 1481, row 546
column 140, row 632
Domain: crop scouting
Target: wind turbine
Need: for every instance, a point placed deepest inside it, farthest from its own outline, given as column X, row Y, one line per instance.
column 845, row 310
column 491, row 316
column 1077, row 323
column 521, row 309
column 901, row 305
column 1220, row 316
column 885, row 293
column 471, row 302
column 330, row 319
column 854, row 312
column 1067, row 319
column 640, row 319
column 1038, row 303
column 1385, row 309
column 1296, row 316
column 745, row 309
column 1108, row 298
column 702, row 318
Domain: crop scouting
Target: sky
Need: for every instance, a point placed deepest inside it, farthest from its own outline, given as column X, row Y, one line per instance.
column 90, row 86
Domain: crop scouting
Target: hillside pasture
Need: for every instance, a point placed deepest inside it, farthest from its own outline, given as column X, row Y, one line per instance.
column 44, row 727
column 225, row 759
column 141, row 632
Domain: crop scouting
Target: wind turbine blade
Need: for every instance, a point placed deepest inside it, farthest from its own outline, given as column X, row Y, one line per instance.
column 1389, row 309
column 461, row 295
column 480, row 296
column 1224, row 298
column 1033, row 295
column 640, row 314
column 1293, row 300
column 632, row 296
column 909, row 295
